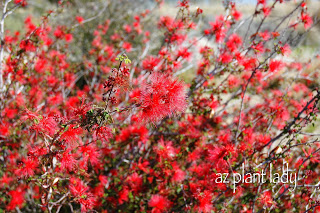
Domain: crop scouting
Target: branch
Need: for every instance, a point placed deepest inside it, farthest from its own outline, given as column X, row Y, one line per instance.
column 4, row 14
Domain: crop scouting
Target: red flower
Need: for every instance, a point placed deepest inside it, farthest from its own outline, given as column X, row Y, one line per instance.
column 178, row 175
column 306, row 19
column 162, row 96
column 217, row 153
column 27, row 45
column 102, row 133
column 71, row 134
column 199, row 11
column 233, row 81
column 165, row 150
column 234, row 42
column 263, row 2
column 285, row 50
column 275, row 65
column 236, row 14
column 58, row 32
column 80, row 192
column 159, row 203
column 4, row 130
column 266, row 199
column 127, row 46
column 266, row 11
column 68, row 37
column 5, row 180
column 103, row 179
column 135, row 181
column 67, row 161
column 133, row 131
column 40, row 65
column 10, row 113
column 22, row 2
column 79, row 19
column 184, row 53
column 259, row 47
column 28, row 169
column 91, row 153
column 17, row 199
column 127, row 28
column 275, row 34
column 55, row 100
column 123, row 195
column 80, row 111
column 225, row 58
column 46, row 125
column 264, row 35
column 205, row 204
column 150, row 63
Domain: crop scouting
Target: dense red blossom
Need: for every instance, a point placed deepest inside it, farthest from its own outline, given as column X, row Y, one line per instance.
column 275, row 65
column 28, row 168
column 71, row 134
column 266, row 199
column 306, row 20
column 17, row 199
column 150, row 63
column 68, row 161
column 159, row 203
column 82, row 194
column 161, row 96
column 79, row 19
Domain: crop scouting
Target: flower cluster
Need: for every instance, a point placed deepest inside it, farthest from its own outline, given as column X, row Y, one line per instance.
column 161, row 96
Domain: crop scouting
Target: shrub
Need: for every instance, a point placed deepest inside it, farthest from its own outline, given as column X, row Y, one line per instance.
column 118, row 126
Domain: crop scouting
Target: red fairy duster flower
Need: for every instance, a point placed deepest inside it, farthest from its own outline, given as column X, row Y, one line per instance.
column 165, row 150
column 150, row 63
column 28, row 168
column 71, row 134
column 82, row 194
column 266, row 199
column 139, row 132
column 159, row 203
column 205, row 199
column 82, row 109
column 102, row 133
column 127, row 46
column 123, row 195
column 236, row 14
column 234, row 42
column 22, row 2
column 162, row 96
column 68, row 37
column 135, row 181
column 4, row 129
column 306, row 20
column 46, row 125
column 79, row 19
column 178, row 174
column 17, row 199
column 91, row 153
column 275, row 65
column 67, row 161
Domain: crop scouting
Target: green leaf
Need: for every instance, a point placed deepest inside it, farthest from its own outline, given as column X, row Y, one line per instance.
column 66, row 128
